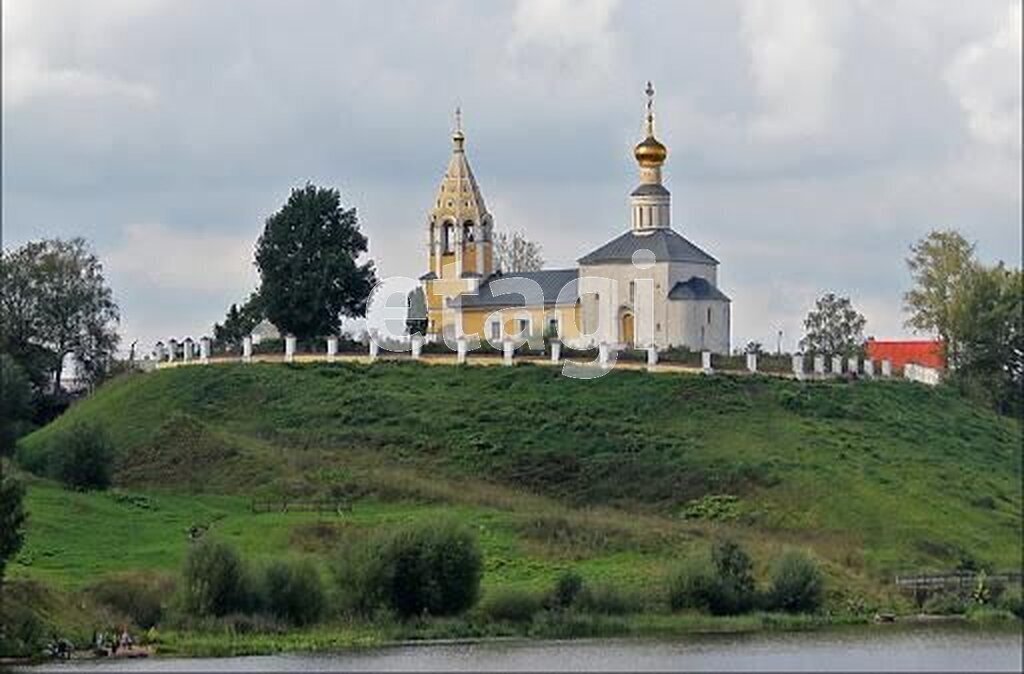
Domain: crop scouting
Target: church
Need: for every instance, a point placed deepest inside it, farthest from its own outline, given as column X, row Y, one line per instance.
column 649, row 286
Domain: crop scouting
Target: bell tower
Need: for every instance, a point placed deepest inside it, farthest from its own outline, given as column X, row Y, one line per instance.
column 459, row 226
column 459, row 237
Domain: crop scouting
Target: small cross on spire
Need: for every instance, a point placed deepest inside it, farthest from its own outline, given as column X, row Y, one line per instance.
column 650, row 108
column 458, row 119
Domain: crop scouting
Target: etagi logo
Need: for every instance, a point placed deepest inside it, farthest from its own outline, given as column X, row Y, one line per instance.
column 602, row 312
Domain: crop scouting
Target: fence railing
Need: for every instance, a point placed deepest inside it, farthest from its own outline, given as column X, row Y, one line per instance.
column 953, row 580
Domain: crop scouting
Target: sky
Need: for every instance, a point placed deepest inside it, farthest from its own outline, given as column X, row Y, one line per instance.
column 810, row 143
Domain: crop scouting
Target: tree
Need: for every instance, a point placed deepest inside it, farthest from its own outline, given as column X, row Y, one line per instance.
column 15, row 403
column 238, row 322
column 834, row 327
column 307, row 260
column 55, row 301
column 940, row 265
column 416, row 317
column 12, row 518
column 514, row 252
column 987, row 323
column 754, row 347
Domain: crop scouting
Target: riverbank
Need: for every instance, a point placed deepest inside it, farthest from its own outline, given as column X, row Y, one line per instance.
column 938, row 647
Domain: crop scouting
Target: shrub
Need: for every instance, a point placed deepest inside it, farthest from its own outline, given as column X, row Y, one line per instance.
column 425, row 569
column 693, row 586
column 797, row 584
column 138, row 597
column 216, row 581
column 81, row 457
column 511, row 605
column 608, row 600
column 568, row 587
column 294, row 592
column 723, row 587
column 735, row 576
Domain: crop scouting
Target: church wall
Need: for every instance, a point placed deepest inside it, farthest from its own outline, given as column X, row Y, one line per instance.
column 689, row 326
column 478, row 321
column 601, row 316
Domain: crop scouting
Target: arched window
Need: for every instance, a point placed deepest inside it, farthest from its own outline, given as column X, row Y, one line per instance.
column 468, row 231
column 709, row 315
column 449, row 237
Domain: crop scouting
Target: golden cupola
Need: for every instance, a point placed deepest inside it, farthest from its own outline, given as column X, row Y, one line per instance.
column 651, row 202
column 650, row 152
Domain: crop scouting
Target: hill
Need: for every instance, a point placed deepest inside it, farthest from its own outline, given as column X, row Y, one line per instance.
column 618, row 477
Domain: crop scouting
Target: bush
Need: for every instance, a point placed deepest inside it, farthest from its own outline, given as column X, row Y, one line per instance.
column 137, row 597
column 216, row 581
column 693, row 586
column 568, row 587
column 723, row 587
column 797, row 584
column 294, row 592
column 425, row 569
column 511, row 605
column 81, row 457
column 608, row 600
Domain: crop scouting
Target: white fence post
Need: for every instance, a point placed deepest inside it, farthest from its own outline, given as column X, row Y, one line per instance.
column 417, row 346
column 652, row 356
column 602, row 355
column 460, row 350
column 247, row 349
column 819, row 365
column 886, row 368
column 556, row 350
column 705, row 362
column 332, row 348
column 752, row 362
column 204, row 350
column 798, row 365
column 189, row 350
column 172, row 350
column 507, row 351
column 837, row 365
column 869, row 367
column 289, row 348
column 374, row 349
column 853, row 365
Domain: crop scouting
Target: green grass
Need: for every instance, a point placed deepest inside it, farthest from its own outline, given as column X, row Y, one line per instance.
column 553, row 473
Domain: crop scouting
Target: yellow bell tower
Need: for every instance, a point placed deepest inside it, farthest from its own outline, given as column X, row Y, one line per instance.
column 460, row 233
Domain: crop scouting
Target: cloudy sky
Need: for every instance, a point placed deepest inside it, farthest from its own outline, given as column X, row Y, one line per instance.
column 810, row 142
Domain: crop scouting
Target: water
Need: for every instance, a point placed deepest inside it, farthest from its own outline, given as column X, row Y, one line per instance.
column 886, row 648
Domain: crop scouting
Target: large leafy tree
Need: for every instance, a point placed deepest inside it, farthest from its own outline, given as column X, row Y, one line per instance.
column 308, row 261
column 834, row 326
column 55, row 301
column 12, row 518
column 941, row 265
column 988, row 324
column 514, row 252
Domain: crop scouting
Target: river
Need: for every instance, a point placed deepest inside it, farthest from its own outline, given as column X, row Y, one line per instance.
column 887, row 648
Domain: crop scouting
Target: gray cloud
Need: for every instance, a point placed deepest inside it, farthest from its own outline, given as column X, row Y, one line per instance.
column 810, row 142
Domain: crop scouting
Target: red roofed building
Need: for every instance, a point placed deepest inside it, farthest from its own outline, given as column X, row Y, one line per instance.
column 926, row 352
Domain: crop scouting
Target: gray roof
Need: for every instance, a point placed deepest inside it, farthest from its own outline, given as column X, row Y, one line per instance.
column 665, row 243
column 696, row 288
column 648, row 189
column 551, row 282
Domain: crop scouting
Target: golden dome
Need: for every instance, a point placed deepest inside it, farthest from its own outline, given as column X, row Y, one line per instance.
column 650, row 152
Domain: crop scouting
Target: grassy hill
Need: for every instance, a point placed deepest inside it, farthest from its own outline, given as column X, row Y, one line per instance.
column 618, row 477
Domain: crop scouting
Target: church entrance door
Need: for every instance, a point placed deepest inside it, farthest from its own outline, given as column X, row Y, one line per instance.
column 626, row 331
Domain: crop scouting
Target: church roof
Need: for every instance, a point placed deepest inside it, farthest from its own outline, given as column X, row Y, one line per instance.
column 551, row 282
column 696, row 288
column 648, row 189
column 666, row 244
